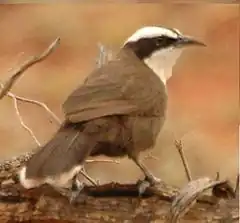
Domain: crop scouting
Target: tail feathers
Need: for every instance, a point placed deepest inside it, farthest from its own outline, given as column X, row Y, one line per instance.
column 28, row 183
column 59, row 160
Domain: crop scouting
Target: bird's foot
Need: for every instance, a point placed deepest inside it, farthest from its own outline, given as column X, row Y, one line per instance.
column 147, row 182
column 90, row 179
column 76, row 189
column 152, row 180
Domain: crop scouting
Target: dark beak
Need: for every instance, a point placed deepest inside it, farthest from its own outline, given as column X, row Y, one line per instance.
column 189, row 41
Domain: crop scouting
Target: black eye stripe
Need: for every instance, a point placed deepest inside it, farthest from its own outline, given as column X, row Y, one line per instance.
column 144, row 47
column 164, row 41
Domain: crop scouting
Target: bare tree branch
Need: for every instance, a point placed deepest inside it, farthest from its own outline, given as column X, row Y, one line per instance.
column 188, row 196
column 23, row 124
column 16, row 99
column 111, row 202
column 33, row 60
column 35, row 102
column 179, row 147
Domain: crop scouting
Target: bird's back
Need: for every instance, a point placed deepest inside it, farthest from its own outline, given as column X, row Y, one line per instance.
column 124, row 85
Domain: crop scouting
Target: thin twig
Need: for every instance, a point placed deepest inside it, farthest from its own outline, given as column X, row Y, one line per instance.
column 150, row 156
column 33, row 60
column 90, row 179
column 31, row 101
column 217, row 176
column 23, row 124
column 16, row 99
column 236, row 191
column 104, row 55
column 85, row 174
column 103, row 161
column 179, row 147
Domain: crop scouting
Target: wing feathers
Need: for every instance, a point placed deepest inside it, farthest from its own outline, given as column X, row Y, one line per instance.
column 96, row 110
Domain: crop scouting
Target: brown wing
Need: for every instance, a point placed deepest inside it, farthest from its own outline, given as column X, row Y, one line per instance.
column 102, row 94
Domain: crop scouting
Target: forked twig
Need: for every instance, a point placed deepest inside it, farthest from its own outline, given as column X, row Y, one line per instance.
column 35, row 102
column 179, row 147
column 19, row 71
column 22, row 122
column 9, row 83
column 16, row 99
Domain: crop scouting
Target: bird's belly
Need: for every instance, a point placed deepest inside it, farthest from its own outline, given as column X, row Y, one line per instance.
column 110, row 149
column 123, row 134
column 144, row 131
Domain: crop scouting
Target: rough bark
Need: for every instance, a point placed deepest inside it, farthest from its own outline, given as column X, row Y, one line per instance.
column 107, row 203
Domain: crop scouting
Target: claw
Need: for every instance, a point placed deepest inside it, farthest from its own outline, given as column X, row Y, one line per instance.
column 153, row 180
column 142, row 186
column 147, row 182
column 76, row 189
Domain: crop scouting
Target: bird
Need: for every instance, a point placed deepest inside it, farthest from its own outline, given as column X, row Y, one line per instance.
column 118, row 110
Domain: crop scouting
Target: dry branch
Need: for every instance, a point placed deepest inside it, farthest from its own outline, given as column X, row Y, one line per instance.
column 33, row 60
column 106, row 203
column 179, row 147
column 34, row 102
column 23, row 124
column 188, row 195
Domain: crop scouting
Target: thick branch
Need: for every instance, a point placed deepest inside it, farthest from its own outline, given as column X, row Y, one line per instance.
column 106, row 203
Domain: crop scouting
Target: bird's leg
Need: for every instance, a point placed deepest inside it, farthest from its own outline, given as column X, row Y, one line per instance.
column 76, row 188
column 149, row 180
column 91, row 180
column 74, row 191
column 77, row 185
column 149, row 176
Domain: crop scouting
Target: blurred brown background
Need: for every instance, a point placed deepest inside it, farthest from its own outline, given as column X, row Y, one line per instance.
column 203, row 92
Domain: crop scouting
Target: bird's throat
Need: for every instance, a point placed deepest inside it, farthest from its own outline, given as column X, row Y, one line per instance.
column 162, row 63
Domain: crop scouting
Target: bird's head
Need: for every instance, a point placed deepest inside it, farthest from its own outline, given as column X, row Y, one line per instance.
column 159, row 48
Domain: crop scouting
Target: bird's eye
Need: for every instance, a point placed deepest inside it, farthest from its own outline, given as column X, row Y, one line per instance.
column 159, row 41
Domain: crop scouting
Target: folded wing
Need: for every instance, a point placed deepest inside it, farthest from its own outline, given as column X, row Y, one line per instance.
column 102, row 94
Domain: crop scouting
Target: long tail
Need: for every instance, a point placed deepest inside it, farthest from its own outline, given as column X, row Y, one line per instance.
column 59, row 160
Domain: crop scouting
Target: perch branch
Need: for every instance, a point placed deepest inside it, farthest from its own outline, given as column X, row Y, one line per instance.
column 33, row 60
column 111, row 202
column 188, row 196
